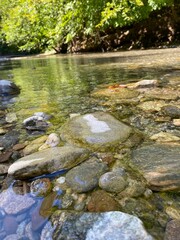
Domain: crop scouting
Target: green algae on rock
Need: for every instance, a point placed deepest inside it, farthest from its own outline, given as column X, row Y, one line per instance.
column 96, row 131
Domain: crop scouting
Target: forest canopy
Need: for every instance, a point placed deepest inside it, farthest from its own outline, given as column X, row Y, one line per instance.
column 38, row 25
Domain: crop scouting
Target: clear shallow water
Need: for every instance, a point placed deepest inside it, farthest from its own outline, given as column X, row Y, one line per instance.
column 61, row 85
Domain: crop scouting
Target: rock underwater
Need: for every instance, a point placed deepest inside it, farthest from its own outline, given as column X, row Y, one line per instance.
column 8, row 88
column 97, row 130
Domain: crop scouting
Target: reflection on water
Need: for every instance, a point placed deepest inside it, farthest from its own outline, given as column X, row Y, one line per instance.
column 62, row 85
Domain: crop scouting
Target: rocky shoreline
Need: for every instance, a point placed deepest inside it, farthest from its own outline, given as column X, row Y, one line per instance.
column 114, row 170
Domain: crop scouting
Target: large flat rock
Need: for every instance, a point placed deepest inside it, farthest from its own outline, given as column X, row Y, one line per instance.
column 160, row 165
column 113, row 225
column 47, row 161
column 95, row 130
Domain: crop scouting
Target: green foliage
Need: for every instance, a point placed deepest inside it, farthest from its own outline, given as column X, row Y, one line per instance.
column 42, row 24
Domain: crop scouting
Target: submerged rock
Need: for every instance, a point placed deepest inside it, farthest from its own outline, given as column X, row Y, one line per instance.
column 162, row 93
column 41, row 187
column 13, row 203
column 8, row 88
column 165, row 137
column 171, row 111
column 152, row 106
column 47, row 161
column 101, row 201
column 98, row 226
column 159, row 164
column 9, row 139
column 84, row 177
column 96, row 130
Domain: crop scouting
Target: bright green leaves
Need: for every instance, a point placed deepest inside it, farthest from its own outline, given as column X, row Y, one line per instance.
column 120, row 13
column 42, row 24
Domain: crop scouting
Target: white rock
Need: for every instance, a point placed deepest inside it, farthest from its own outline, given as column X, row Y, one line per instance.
column 53, row 140
column 11, row 117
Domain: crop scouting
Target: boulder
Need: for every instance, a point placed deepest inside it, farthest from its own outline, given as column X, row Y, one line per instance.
column 98, row 226
column 47, row 161
column 96, row 131
column 159, row 164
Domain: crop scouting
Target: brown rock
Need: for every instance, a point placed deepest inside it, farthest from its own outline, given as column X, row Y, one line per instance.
column 4, row 157
column 172, row 230
column 19, row 146
column 101, row 201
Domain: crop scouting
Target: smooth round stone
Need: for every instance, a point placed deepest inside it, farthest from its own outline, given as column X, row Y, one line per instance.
column 13, row 203
column 84, row 177
column 112, row 182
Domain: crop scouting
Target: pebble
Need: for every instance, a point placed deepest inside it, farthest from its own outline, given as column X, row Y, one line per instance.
column 164, row 137
column 5, row 156
column 41, row 187
column 113, row 182
column 176, row 122
column 11, row 117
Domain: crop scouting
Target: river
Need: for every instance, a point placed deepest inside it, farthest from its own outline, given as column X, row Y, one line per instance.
column 62, row 85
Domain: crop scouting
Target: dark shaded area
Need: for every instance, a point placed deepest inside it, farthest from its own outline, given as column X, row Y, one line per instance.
column 159, row 30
